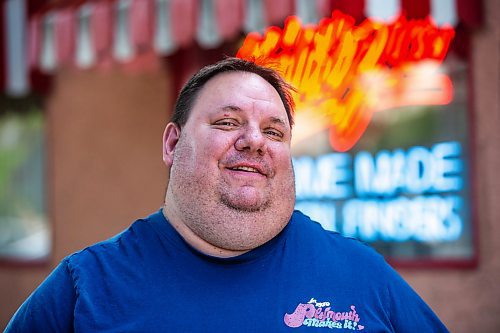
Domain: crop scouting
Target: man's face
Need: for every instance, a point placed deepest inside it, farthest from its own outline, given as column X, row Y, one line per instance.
column 231, row 167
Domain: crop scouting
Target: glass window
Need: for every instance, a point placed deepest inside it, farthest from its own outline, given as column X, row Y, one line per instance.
column 404, row 187
column 24, row 230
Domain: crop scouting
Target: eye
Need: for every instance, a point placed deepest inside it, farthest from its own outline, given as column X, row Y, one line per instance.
column 274, row 133
column 226, row 123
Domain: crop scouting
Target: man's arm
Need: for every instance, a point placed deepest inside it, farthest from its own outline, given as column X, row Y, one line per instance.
column 50, row 307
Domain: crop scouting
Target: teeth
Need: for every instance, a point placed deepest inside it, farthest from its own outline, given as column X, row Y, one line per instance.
column 249, row 169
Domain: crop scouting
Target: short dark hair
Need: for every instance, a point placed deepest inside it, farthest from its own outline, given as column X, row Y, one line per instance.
column 189, row 92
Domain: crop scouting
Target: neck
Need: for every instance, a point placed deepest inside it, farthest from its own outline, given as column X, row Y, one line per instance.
column 195, row 241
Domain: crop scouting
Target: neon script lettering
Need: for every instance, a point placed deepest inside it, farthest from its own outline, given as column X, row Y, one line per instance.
column 344, row 73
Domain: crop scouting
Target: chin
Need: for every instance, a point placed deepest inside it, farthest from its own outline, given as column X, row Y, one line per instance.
column 245, row 204
column 246, row 199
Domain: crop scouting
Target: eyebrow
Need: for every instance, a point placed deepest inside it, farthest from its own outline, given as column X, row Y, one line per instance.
column 234, row 108
column 231, row 108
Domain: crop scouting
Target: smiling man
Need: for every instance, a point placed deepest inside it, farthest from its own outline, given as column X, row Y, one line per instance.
column 227, row 252
column 232, row 156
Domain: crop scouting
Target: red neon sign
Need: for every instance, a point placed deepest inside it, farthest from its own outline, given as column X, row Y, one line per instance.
column 344, row 73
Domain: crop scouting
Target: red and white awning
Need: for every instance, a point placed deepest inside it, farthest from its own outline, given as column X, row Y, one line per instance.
column 87, row 33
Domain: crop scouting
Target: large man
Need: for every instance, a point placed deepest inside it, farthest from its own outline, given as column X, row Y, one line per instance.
column 226, row 253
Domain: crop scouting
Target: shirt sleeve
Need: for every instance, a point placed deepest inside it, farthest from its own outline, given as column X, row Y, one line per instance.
column 50, row 308
column 408, row 312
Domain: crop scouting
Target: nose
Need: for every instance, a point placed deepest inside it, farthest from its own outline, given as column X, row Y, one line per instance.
column 251, row 140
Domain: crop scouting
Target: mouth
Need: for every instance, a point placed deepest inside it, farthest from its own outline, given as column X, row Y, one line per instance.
column 246, row 169
column 249, row 169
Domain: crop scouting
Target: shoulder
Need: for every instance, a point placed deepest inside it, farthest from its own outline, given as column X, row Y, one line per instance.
column 126, row 245
column 349, row 253
column 315, row 235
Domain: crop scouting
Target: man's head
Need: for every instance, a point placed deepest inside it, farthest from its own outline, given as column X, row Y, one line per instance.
column 228, row 149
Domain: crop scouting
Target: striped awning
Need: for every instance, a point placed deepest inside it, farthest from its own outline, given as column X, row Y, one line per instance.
column 85, row 33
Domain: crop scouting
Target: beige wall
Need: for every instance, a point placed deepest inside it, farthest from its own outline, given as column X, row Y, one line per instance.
column 106, row 170
column 105, row 166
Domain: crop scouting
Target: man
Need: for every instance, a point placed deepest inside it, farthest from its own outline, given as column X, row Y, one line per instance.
column 226, row 253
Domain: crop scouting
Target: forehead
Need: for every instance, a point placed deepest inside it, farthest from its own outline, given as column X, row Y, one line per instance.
column 245, row 90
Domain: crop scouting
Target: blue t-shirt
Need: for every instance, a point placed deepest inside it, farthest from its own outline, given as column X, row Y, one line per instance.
column 148, row 279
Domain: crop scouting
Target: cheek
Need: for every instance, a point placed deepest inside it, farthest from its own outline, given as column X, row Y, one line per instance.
column 210, row 147
column 217, row 146
column 281, row 156
column 208, row 154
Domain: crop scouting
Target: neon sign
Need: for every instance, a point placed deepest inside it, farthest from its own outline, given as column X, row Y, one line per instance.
column 398, row 195
column 344, row 73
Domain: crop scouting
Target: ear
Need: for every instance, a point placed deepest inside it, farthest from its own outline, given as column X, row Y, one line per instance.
column 170, row 139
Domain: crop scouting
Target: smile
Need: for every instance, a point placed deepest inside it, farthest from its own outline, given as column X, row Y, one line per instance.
column 245, row 168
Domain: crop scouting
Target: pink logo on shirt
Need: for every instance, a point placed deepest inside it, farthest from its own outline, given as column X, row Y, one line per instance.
column 320, row 314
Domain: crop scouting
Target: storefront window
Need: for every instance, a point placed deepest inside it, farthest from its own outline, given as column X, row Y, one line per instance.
column 24, row 229
column 405, row 186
